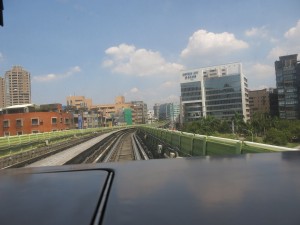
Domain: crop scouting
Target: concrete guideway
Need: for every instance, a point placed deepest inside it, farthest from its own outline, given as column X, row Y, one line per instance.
column 62, row 157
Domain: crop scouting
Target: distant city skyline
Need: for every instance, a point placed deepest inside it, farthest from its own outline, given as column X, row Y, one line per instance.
column 104, row 49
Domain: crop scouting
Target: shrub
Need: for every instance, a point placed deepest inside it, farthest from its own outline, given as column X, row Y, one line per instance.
column 276, row 137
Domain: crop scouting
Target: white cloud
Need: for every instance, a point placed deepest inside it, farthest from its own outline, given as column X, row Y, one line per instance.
column 293, row 33
column 127, row 59
column 289, row 45
column 204, row 43
column 123, row 51
column 134, row 90
column 135, row 94
column 262, row 71
column 260, row 32
column 107, row 63
column 1, row 56
column 75, row 69
column 276, row 52
column 257, row 32
column 52, row 76
column 262, row 87
column 170, row 84
column 260, row 75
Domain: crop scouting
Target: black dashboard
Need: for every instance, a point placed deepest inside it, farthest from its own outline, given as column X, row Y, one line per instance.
column 245, row 189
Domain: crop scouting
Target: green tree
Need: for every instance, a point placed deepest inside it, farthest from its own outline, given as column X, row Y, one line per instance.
column 239, row 123
column 276, row 137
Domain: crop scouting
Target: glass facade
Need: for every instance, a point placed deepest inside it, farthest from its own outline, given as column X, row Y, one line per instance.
column 191, row 91
column 223, row 96
column 288, row 85
column 219, row 91
column 193, row 111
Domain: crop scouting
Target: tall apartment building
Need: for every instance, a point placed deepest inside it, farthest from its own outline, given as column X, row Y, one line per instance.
column 2, row 92
column 79, row 102
column 219, row 91
column 139, row 115
column 288, row 86
column 263, row 101
column 17, row 86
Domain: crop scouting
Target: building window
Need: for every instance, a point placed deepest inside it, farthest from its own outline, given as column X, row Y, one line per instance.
column 35, row 132
column 61, row 120
column 6, row 134
column 34, row 121
column 67, row 121
column 6, row 123
column 19, row 132
column 54, row 120
column 19, row 122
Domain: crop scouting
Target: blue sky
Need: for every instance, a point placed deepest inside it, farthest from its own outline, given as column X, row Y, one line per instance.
column 101, row 49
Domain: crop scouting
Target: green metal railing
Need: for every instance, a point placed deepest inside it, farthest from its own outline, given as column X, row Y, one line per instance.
column 14, row 143
column 200, row 145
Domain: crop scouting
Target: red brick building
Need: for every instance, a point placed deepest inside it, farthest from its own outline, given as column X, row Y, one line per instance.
column 28, row 119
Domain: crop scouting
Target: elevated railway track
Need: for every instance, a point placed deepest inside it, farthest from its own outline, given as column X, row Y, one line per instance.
column 115, row 146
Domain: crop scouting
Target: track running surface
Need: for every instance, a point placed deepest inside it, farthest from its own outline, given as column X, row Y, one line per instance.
column 62, row 157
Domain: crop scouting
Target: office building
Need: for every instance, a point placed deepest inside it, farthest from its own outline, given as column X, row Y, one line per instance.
column 273, row 98
column 156, row 111
column 288, row 86
column 168, row 111
column 219, row 91
column 17, row 87
column 175, row 112
column 263, row 101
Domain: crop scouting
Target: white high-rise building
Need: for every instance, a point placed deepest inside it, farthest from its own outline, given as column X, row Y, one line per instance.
column 220, row 91
column 17, row 86
column 2, row 92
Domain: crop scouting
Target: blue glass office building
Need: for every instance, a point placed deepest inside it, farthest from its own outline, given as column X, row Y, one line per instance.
column 288, row 86
column 219, row 91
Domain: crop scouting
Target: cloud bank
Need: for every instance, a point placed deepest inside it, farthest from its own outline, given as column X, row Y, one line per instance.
column 289, row 45
column 127, row 59
column 204, row 43
column 53, row 76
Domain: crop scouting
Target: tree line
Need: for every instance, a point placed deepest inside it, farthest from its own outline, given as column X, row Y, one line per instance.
column 261, row 126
